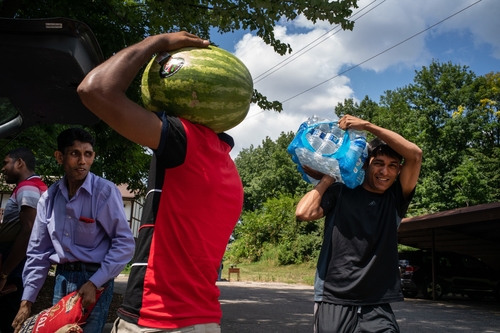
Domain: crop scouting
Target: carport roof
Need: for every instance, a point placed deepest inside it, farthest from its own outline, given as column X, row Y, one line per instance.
column 474, row 231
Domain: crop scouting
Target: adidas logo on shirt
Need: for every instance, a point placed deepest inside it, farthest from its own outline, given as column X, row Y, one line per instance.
column 373, row 203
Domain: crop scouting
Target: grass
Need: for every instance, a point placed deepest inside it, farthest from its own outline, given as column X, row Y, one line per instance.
column 267, row 272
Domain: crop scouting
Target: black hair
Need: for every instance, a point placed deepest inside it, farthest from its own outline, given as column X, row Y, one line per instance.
column 379, row 147
column 25, row 154
column 68, row 137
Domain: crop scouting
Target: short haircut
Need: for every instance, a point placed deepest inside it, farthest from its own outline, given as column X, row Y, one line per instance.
column 68, row 137
column 25, row 154
column 378, row 147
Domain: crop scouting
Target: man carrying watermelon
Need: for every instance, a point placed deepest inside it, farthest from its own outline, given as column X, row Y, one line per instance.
column 194, row 199
column 357, row 274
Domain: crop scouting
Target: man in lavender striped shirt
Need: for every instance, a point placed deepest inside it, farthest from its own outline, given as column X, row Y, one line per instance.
column 81, row 227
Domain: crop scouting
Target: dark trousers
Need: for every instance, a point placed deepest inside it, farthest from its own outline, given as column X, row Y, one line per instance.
column 332, row 318
column 9, row 305
column 68, row 281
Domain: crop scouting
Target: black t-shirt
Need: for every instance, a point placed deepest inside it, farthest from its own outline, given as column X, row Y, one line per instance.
column 358, row 263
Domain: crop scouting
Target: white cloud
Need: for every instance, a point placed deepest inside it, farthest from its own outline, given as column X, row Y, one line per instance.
column 312, row 83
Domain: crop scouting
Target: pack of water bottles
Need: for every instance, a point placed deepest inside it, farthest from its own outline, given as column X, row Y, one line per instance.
column 323, row 146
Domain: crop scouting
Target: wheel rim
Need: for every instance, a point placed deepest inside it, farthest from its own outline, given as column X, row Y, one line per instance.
column 439, row 289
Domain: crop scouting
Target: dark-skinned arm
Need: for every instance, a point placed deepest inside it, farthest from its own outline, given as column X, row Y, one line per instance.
column 18, row 251
column 309, row 207
column 411, row 153
column 103, row 89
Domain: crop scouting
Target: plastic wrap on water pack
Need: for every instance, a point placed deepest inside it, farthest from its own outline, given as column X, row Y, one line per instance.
column 321, row 145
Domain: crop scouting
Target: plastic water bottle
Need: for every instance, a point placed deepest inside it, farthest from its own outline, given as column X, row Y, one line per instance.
column 356, row 148
column 319, row 163
column 353, row 154
column 331, row 167
column 331, row 141
column 317, row 135
column 355, row 177
column 315, row 138
column 312, row 120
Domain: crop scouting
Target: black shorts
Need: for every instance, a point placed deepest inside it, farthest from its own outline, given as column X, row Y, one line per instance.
column 332, row 318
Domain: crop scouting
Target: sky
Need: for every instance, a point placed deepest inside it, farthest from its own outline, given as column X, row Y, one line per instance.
column 391, row 40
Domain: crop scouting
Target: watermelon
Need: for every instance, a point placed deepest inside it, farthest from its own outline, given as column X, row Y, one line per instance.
column 207, row 86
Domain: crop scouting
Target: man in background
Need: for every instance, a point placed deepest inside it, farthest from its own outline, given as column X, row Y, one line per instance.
column 19, row 215
column 82, row 228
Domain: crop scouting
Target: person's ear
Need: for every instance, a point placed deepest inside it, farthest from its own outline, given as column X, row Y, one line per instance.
column 19, row 163
column 59, row 156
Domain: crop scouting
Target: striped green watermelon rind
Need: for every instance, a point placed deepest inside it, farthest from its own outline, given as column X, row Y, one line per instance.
column 212, row 87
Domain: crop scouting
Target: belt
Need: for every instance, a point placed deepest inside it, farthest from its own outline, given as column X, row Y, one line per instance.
column 79, row 266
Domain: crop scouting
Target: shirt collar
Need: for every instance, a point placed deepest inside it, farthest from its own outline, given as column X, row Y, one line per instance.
column 86, row 186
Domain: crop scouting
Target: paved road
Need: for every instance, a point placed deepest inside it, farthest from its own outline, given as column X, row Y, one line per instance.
column 281, row 308
column 265, row 307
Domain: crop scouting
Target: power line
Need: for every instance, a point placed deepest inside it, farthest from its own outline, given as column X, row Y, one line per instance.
column 376, row 55
column 386, row 50
column 298, row 54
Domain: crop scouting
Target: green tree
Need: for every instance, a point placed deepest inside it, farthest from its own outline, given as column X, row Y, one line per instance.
column 457, row 133
column 273, row 232
column 467, row 179
column 453, row 116
column 268, row 172
column 117, row 159
column 448, row 110
column 367, row 109
column 118, row 24
column 268, row 227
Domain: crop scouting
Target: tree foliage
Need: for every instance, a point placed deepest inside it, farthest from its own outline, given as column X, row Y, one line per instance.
column 448, row 111
column 118, row 24
column 268, row 227
column 453, row 116
column 268, row 172
column 117, row 159
column 273, row 228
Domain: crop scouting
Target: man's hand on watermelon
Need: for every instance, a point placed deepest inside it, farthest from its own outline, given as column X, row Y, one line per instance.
column 177, row 40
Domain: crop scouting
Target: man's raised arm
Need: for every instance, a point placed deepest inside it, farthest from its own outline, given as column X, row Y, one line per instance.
column 103, row 89
column 411, row 153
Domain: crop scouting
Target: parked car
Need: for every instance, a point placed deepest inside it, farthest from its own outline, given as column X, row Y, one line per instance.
column 455, row 273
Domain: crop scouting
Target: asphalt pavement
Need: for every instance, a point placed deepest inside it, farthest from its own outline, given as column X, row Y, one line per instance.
column 284, row 308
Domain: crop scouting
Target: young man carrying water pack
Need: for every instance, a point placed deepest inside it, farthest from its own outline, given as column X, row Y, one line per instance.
column 357, row 274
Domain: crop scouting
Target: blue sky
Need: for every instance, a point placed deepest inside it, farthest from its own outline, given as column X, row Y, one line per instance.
column 470, row 37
